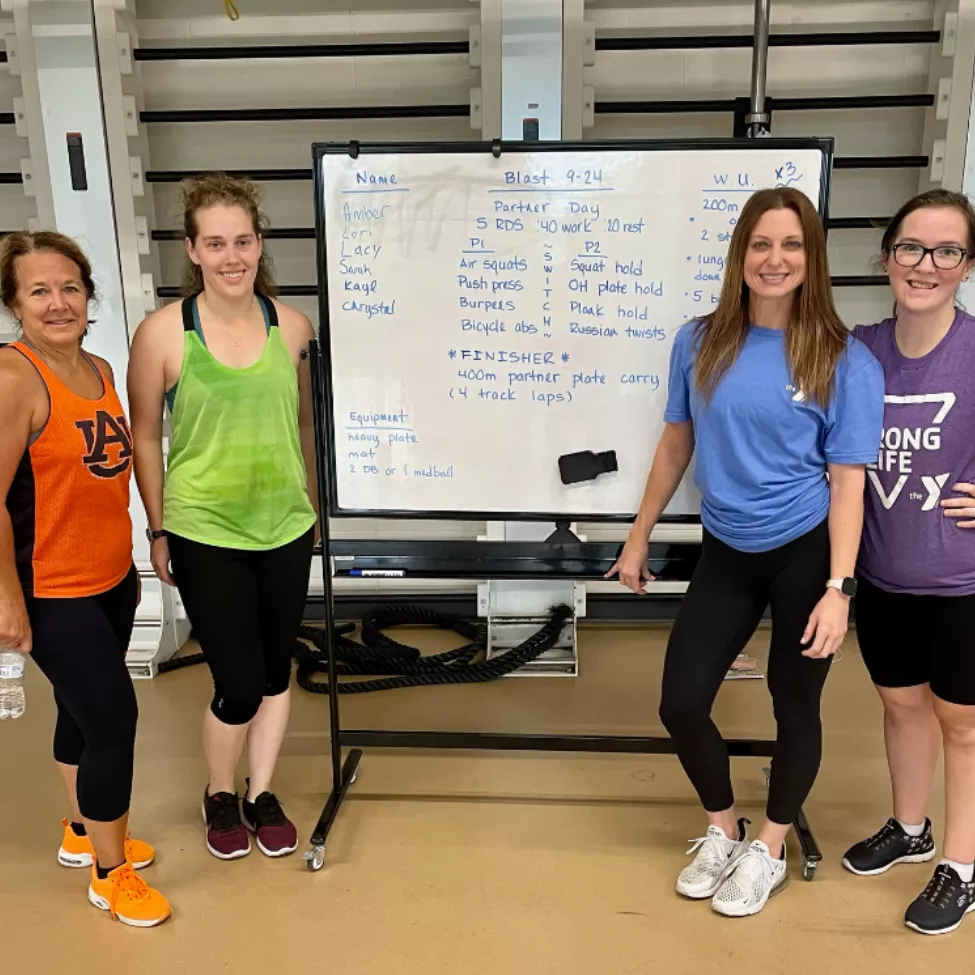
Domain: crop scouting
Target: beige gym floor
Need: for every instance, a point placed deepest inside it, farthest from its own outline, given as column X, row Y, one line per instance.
column 466, row 863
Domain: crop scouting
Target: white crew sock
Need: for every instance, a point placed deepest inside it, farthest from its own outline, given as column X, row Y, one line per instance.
column 964, row 870
column 912, row 830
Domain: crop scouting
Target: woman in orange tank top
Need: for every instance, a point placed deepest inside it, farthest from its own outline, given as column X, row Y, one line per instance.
column 68, row 588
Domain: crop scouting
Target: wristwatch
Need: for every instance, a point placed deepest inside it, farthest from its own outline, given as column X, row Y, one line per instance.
column 847, row 586
column 153, row 535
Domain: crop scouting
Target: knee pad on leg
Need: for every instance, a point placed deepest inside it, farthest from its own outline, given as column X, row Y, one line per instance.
column 235, row 709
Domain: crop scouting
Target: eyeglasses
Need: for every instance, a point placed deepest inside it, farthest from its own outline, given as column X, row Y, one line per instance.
column 944, row 258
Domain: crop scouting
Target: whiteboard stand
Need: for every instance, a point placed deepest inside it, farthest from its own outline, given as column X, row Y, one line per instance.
column 423, row 411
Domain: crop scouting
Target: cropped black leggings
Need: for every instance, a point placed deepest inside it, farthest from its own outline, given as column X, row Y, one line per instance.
column 720, row 612
column 80, row 646
column 246, row 609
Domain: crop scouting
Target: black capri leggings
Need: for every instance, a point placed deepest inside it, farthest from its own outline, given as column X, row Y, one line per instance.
column 246, row 610
column 80, row 645
column 720, row 612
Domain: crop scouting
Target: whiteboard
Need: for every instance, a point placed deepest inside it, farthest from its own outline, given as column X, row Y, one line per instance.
column 485, row 314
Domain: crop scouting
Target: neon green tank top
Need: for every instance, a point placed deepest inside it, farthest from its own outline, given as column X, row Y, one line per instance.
column 235, row 476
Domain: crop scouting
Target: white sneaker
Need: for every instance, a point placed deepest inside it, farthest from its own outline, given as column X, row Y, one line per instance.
column 756, row 877
column 716, row 857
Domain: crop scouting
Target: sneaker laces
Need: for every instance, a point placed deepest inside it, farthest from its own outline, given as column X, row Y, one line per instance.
column 128, row 884
column 223, row 812
column 268, row 810
column 939, row 886
column 755, row 872
column 882, row 837
column 710, row 855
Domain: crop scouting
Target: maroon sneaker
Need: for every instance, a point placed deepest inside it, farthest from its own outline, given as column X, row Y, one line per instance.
column 264, row 817
column 226, row 836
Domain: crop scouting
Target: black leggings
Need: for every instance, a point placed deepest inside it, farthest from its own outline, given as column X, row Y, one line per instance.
column 720, row 612
column 80, row 645
column 246, row 610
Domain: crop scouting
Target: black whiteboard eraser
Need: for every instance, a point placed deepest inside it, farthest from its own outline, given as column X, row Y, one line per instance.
column 354, row 148
column 585, row 465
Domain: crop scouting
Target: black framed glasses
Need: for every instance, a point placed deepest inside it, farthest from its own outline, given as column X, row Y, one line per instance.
column 946, row 257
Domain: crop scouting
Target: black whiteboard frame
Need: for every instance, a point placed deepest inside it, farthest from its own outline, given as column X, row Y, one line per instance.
column 322, row 149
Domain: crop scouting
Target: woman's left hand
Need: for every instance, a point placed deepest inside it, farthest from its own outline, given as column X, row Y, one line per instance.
column 827, row 625
column 964, row 507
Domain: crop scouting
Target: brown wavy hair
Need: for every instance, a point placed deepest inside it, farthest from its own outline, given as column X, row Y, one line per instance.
column 211, row 190
column 815, row 337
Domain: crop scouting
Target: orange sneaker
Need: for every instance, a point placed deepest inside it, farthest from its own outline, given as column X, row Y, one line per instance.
column 129, row 898
column 77, row 851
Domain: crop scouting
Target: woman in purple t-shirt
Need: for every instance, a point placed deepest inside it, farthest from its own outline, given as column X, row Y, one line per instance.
column 915, row 607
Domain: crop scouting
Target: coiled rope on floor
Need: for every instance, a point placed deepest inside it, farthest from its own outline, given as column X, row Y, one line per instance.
column 396, row 665
column 403, row 666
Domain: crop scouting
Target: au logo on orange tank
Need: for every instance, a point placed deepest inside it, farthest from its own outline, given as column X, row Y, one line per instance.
column 104, row 432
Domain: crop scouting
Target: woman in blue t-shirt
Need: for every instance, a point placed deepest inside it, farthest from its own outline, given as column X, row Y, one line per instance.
column 785, row 410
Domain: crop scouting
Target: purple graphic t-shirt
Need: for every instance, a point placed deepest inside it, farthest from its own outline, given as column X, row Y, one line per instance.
column 928, row 445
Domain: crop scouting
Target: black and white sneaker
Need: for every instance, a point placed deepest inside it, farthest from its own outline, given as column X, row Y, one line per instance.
column 943, row 904
column 890, row 846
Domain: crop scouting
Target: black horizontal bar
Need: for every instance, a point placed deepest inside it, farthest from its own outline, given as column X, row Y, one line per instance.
column 11, row 178
column 857, row 223
column 285, row 290
column 331, row 113
column 494, row 741
column 716, row 41
column 880, row 162
column 7, row 118
column 253, row 52
column 311, row 290
column 829, row 102
column 308, row 233
column 272, row 233
column 858, row 280
column 260, row 175
column 822, row 103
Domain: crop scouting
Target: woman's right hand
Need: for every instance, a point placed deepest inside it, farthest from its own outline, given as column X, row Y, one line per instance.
column 632, row 565
column 159, row 556
column 14, row 626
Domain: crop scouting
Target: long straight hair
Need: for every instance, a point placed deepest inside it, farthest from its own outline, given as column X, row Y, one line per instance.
column 815, row 337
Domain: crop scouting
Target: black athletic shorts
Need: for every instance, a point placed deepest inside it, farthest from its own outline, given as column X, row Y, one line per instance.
column 906, row 640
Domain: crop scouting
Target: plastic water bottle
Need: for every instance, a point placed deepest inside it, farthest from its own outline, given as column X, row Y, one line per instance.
column 13, row 703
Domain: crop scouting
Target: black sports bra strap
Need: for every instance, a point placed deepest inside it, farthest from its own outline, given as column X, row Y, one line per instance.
column 187, row 303
column 270, row 312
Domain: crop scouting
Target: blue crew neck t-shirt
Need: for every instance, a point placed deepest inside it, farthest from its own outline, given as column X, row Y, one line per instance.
column 761, row 448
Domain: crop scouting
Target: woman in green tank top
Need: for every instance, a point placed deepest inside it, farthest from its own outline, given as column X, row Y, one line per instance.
column 232, row 510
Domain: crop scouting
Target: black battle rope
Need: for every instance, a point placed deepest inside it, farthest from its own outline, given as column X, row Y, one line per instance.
column 401, row 665
column 454, row 667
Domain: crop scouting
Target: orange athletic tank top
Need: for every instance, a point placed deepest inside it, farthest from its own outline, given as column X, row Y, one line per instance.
column 69, row 500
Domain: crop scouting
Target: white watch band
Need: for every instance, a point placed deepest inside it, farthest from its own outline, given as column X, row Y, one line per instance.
column 834, row 584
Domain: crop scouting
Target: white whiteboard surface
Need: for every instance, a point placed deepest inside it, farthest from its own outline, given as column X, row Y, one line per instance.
column 488, row 315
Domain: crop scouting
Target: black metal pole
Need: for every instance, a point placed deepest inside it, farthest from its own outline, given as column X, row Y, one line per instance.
column 318, row 401
column 342, row 776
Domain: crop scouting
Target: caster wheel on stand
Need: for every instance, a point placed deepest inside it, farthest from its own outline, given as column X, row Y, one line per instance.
column 315, row 858
column 809, row 870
